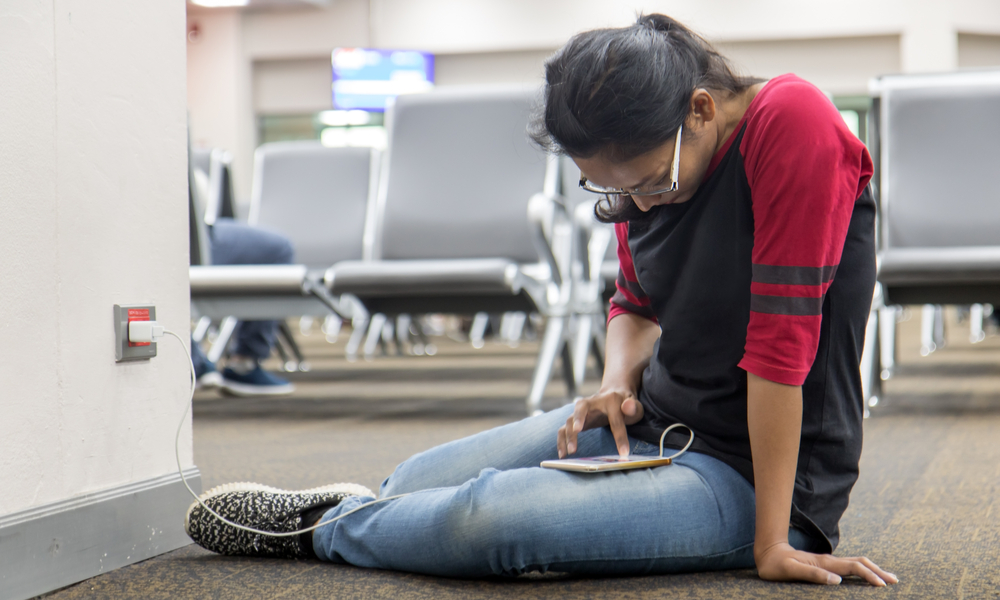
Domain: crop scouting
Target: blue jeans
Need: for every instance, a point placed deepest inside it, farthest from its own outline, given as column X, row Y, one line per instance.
column 482, row 506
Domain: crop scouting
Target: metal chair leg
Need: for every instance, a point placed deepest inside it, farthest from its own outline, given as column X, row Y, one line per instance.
column 202, row 328
column 477, row 332
column 305, row 324
column 359, row 325
column 927, row 328
column 581, row 347
column 301, row 364
column 567, row 370
column 870, row 375
column 287, row 363
column 222, row 341
column 887, row 340
column 547, row 353
column 331, row 328
column 976, row 333
column 375, row 326
column 600, row 333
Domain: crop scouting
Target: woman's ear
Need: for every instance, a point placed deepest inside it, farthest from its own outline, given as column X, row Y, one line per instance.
column 702, row 109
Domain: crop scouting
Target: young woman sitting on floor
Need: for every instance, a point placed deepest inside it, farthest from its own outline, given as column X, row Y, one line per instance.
column 746, row 243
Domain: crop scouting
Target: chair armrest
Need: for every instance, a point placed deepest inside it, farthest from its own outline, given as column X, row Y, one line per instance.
column 247, row 279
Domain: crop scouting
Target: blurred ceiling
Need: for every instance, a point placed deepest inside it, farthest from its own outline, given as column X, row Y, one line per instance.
column 259, row 4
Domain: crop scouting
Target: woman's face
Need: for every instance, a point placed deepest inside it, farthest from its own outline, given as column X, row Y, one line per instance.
column 651, row 171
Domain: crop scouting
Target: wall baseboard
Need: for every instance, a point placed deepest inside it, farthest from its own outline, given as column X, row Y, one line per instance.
column 52, row 546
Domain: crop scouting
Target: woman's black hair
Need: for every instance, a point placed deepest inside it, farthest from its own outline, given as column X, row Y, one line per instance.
column 624, row 92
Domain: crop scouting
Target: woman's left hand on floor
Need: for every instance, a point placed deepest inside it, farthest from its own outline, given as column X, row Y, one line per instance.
column 782, row 562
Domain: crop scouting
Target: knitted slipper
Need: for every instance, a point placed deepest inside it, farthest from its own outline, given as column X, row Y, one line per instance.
column 264, row 508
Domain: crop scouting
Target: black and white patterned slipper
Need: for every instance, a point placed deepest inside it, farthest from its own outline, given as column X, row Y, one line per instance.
column 264, row 508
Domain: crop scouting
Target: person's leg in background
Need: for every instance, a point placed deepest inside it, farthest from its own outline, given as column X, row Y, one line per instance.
column 239, row 244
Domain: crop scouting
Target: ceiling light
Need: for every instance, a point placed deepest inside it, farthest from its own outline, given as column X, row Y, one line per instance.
column 220, row 3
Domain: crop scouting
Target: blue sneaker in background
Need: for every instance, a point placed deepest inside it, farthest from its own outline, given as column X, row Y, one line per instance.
column 256, row 382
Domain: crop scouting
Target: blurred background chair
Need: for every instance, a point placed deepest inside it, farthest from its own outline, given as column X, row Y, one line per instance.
column 468, row 220
column 933, row 139
column 215, row 166
column 224, row 294
column 318, row 198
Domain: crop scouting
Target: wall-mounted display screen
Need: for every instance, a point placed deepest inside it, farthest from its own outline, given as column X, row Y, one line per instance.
column 366, row 79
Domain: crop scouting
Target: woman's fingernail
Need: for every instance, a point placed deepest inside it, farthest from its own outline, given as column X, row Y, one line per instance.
column 833, row 580
column 893, row 577
column 880, row 581
column 571, row 448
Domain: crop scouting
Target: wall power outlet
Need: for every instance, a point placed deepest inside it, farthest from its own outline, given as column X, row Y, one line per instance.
column 124, row 349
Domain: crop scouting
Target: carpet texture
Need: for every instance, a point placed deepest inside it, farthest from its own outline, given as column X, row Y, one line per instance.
column 925, row 508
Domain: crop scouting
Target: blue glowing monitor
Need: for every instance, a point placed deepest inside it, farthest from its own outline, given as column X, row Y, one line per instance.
column 366, row 79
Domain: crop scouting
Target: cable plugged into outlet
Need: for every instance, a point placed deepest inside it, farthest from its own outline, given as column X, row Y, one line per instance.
column 144, row 332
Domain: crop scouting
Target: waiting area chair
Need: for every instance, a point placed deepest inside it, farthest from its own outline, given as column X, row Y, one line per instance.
column 318, row 198
column 467, row 218
column 933, row 139
column 227, row 293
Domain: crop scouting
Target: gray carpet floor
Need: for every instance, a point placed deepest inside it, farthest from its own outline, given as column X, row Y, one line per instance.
column 926, row 506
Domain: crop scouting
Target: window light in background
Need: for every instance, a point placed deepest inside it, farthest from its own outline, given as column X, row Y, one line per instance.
column 341, row 118
column 365, row 137
column 853, row 121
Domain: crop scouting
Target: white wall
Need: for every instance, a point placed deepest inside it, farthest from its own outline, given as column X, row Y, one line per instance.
column 93, row 197
column 837, row 45
column 219, row 87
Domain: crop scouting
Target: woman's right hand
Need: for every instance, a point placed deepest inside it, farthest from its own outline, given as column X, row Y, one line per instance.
column 616, row 407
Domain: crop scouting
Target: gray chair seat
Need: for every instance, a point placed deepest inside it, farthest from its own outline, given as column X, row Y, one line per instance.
column 259, row 292
column 422, row 286
column 973, row 264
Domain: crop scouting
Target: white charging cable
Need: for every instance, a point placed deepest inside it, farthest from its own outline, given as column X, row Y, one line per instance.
column 686, row 446
column 151, row 331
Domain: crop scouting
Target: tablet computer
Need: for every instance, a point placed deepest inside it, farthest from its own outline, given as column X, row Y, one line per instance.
column 597, row 464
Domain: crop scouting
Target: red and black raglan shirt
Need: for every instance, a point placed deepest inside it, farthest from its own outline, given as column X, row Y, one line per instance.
column 768, row 269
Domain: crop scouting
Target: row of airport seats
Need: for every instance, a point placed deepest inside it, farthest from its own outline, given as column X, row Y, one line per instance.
column 933, row 141
column 461, row 214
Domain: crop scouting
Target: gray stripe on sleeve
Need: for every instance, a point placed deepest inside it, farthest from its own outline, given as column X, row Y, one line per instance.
column 793, row 275
column 786, row 305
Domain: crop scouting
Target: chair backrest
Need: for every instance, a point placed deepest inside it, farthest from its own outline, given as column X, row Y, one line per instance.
column 937, row 156
column 314, row 195
column 457, row 177
column 199, row 246
column 216, row 166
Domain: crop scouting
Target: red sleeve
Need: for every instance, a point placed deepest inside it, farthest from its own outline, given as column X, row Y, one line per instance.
column 629, row 297
column 805, row 170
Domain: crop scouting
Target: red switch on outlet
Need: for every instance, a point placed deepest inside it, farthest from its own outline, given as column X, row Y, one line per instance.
column 137, row 314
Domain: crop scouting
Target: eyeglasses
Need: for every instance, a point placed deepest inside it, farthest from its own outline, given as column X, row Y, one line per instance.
column 590, row 187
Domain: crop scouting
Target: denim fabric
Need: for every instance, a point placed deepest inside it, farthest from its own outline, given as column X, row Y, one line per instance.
column 482, row 506
column 238, row 244
column 199, row 360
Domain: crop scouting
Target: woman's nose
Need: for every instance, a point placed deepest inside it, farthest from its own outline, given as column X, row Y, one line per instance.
column 644, row 202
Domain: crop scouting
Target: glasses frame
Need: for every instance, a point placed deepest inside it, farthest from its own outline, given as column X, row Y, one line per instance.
column 674, row 169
